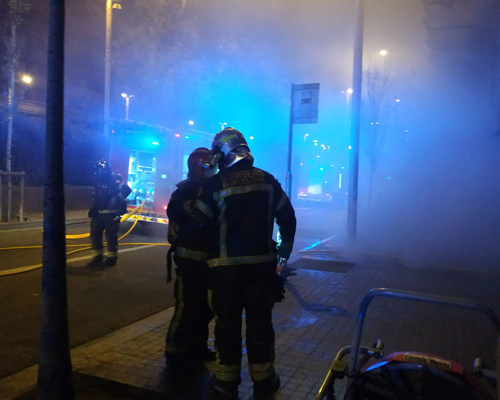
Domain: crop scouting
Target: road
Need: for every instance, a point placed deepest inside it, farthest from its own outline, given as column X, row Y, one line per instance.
column 101, row 301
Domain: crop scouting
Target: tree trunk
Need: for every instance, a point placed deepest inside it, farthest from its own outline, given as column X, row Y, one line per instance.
column 54, row 373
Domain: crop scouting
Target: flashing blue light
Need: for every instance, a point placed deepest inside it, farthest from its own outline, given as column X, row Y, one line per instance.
column 388, row 177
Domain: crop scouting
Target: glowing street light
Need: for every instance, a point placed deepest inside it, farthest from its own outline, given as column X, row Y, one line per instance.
column 127, row 103
column 27, row 79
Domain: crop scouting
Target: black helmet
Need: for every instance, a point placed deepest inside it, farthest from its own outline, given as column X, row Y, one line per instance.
column 102, row 167
column 198, row 163
column 228, row 147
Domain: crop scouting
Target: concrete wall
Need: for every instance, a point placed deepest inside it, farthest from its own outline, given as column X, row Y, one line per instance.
column 76, row 198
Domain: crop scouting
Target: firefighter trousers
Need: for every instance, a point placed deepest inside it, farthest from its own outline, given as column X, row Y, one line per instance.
column 248, row 288
column 109, row 224
column 188, row 331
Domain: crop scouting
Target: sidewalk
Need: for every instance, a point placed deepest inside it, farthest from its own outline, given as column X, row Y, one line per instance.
column 316, row 318
column 35, row 219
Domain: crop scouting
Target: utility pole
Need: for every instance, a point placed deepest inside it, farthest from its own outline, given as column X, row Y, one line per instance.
column 107, row 67
column 352, row 208
column 288, row 179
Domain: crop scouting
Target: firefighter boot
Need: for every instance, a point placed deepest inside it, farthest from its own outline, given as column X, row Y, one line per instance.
column 221, row 390
column 210, row 355
column 266, row 388
column 109, row 262
column 95, row 262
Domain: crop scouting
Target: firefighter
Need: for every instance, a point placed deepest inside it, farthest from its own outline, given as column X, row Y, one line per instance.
column 108, row 204
column 240, row 204
column 186, row 340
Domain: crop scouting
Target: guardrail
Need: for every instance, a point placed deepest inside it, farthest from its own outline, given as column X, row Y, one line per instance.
column 9, row 175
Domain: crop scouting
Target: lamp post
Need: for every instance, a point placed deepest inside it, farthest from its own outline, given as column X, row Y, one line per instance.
column 222, row 125
column 12, row 99
column 352, row 206
column 127, row 103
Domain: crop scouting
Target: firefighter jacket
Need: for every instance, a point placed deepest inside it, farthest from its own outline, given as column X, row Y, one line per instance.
column 109, row 195
column 185, row 232
column 241, row 204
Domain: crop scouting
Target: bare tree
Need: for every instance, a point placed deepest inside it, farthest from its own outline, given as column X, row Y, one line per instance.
column 55, row 370
column 376, row 85
column 12, row 18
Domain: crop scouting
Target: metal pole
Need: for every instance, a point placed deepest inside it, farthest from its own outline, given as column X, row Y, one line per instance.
column 288, row 183
column 127, row 99
column 352, row 210
column 1, row 195
column 21, row 199
column 107, row 67
column 423, row 297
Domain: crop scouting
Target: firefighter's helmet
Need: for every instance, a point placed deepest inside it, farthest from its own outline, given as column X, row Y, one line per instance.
column 228, row 147
column 102, row 167
column 198, row 162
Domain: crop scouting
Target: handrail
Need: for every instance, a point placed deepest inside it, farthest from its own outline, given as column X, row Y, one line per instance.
column 9, row 194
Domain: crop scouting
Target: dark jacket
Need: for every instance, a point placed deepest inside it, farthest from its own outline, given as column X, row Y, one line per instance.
column 187, row 235
column 109, row 195
column 241, row 204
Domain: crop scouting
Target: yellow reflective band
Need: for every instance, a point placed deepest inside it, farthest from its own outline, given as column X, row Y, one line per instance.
column 204, row 209
column 281, row 202
column 228, row 138
column 260, row 372
column 191, row 254
column 216, row 262
column 227, row 373
column 108, row 211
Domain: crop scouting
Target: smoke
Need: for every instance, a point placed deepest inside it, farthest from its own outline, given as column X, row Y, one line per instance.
column 440, row 206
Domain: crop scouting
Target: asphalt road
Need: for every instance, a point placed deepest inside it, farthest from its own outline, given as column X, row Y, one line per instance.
column 100, row 300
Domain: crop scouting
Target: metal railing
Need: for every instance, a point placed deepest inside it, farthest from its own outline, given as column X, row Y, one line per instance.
column 9, row 176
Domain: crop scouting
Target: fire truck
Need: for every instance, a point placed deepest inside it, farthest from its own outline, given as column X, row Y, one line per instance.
column 152, row 159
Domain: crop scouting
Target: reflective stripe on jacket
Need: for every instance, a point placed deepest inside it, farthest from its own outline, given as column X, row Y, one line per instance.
column 241, row 204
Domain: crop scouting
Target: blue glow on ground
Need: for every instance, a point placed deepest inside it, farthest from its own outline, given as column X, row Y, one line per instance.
column 312, row 246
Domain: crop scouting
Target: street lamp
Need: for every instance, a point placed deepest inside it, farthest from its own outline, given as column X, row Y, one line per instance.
column 127, row 103
column 27, row 79
column 13, row 98
column 222, row 125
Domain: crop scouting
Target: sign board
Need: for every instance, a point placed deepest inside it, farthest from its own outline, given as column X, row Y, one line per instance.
column 305, row 100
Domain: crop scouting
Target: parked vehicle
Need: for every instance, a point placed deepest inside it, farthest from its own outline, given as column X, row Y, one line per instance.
column 152, row 160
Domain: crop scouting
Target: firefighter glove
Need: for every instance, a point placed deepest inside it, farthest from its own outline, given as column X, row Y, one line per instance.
column 284, row 250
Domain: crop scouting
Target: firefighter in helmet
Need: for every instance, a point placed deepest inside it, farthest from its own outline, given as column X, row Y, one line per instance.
column 108, row 204
column 187, row 336
column 240, row 204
